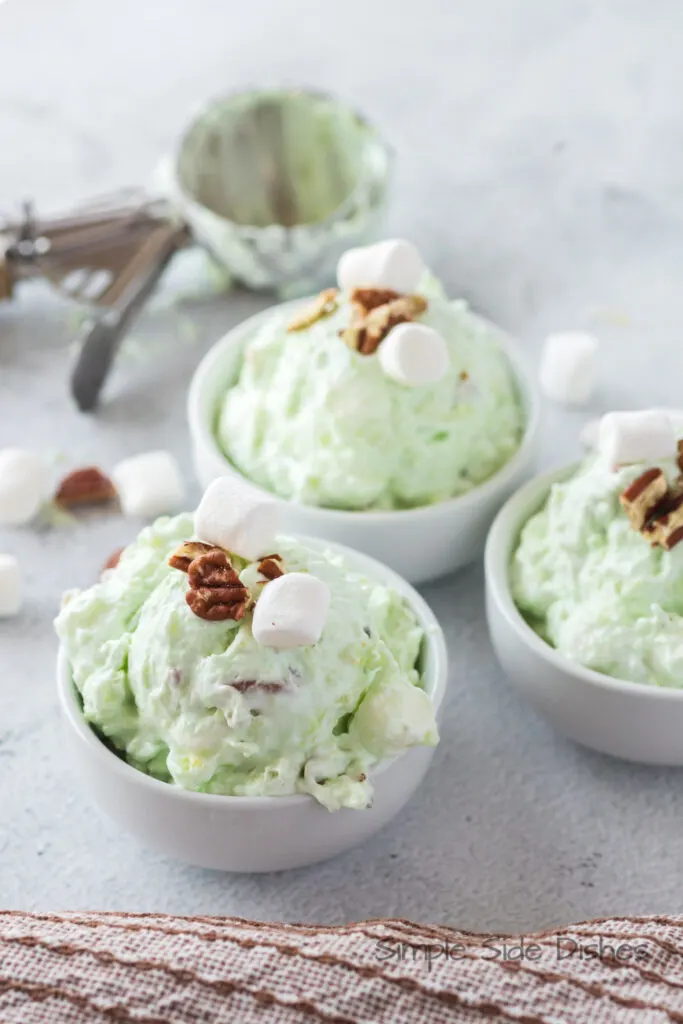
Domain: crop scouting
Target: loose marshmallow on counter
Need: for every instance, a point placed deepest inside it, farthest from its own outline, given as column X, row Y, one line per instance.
column 10, row 586
column 237, row 517
column 291, row 611
column 645, row 436
column 22, row 481
column 149, row 484
column 414, row 354
column 392, row 264
column 569, row 367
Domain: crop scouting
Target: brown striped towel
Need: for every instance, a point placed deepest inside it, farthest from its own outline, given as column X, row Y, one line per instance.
column 156, row 969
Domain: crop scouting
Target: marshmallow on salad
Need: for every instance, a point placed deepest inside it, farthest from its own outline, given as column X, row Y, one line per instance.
column 237, row 517
column 643, row 436
column 394, row 264
column 414, row 355
column 291, row 611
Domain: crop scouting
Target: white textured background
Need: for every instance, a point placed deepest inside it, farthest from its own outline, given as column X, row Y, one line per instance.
column 540, row 147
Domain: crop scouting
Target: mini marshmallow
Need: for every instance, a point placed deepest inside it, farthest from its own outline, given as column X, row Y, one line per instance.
column 10, row 586
column 237, row 517
column 392, row 264
column 645, row 436
column 414, row 355
column 291, row 611
column 589, row 433
column 569, row 367
column 149, row 484
column 22, row 480
column 676, row 417
column 394, row 715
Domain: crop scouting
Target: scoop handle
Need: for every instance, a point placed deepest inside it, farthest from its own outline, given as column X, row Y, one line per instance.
column 102, row 337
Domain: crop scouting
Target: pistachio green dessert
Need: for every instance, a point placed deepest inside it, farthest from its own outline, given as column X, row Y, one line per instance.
column 595, row 587
column 202, row 705
column 310, row 419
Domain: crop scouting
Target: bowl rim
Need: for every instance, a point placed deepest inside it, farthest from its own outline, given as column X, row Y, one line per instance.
column 345, row 206
column 436, row 687
column 500, row 544
column 201, row 427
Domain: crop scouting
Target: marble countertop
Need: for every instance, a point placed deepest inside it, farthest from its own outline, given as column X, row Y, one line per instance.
column 540, row 169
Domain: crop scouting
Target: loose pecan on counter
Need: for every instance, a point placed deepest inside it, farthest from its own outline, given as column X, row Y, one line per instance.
column 87, row 486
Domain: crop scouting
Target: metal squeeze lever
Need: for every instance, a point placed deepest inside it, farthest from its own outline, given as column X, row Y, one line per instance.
column 102, row 337
column 108, row 255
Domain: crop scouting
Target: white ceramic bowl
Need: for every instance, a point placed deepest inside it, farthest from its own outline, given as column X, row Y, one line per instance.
column 239, row 833
column 421, row 543
column 628, row 720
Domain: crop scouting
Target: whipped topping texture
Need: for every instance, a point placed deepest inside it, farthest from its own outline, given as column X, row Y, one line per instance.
column 594, row 587
column 312, row 420
column 201, row 704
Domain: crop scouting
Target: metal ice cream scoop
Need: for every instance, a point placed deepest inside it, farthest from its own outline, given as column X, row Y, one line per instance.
column 107, row 256
column 274, row 184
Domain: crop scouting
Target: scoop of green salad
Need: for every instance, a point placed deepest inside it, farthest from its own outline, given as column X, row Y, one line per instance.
column 594, row 587
column 309, row 419
column 202, row 705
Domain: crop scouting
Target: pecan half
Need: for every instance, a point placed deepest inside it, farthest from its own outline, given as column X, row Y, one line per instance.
column 655, row 509
column 246, row 685
column 367, row 299
column 112, row 561
column 365, row 333
column 187, row 552
column 680, row 455
column 324, row 305
column 217, row 604
column 87, row 486
column 271, row 566
column 640, row 499
column 216, row 592
column 212, row 568
column 665, row 528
